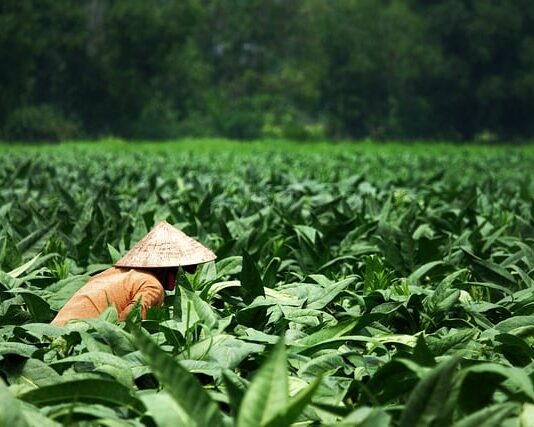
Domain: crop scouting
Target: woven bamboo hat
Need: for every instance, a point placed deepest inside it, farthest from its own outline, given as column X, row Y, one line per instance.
column 166, row 246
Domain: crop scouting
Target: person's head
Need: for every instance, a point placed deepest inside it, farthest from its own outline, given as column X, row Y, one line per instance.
column 167, row 275
column 162, row 250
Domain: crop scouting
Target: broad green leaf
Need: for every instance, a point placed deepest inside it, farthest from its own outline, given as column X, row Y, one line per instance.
column 35, row 241
column 423, row 231
column 86, row 212
column 369, row 342
column 308, row 233
column 33, row 373
column 515, row 378
column 180, row 384
column 10, row 257
column 307, row 317
column 425, row 406
column 330, row 292
column 20, row 349
column 86, row 390
column 251, row 284
column 65, row 412
column 325, row 364
column 206, row 273
column 335, row 334
column 251, row 334
column 493, row 416
column 366, row 417
column 164, row 410
column 200, row 310
column 330, row 394
column 229, row 266
column 60, row 292
column 409, row 340
column 422, row 354
column 289, row 414
column 394, row 379
column 334, row 331
column 488, row 270
column 508, row 325
column 37, row 306
column 99, row 360
column 268, row 392
column 269, row 275
column 493, row 272
column 515, row 349
column 441, row 344
column 117, row 338
column 41, row 331
column 11, row 414
column 449, row 299
column 24, row 267
column 35, row 418
column 416, row 276
column 219, row 286
column 226, row 350
column 110, row 314
column 8, row 282
column 114, row 254
column 235, row 389
column 526, row 418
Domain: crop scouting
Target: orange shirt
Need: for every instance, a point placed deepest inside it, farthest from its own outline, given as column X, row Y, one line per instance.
column 121, row 287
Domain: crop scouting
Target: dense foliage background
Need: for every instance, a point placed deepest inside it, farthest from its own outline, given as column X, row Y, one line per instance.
column 446, row 69
column 400, row 279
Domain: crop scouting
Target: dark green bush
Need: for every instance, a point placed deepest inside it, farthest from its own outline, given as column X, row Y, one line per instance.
column 39, row 123
column 158, row 120
column 378, row 69
column 290, row 125
column 242, row 118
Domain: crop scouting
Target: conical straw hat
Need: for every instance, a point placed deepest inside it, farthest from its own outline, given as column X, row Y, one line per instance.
column 166, row 246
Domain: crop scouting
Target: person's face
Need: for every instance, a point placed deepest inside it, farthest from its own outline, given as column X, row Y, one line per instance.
column 168, row 276
column 190, row 268
column 170, row 279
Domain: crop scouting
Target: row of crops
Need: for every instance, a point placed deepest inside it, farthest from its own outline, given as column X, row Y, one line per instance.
column 352, row 288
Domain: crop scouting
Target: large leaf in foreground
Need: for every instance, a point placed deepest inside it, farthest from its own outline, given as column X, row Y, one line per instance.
column 17, row 348
column 493, row 416
column 268, row 393
column 164, row 410
column 366, row 417
column 87, row 390
column 426, row 407
column 10, row 409
column 179, row 383
column 35, row 418
column 493, row 376
column 32, row 373
column 296, row 405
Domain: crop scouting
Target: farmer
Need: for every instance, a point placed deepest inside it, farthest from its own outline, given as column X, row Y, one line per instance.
column 142, row 274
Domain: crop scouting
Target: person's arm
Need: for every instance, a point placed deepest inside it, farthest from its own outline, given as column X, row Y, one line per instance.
column 150, row 293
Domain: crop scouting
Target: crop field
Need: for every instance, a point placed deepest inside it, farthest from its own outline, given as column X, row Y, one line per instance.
column 354, row 286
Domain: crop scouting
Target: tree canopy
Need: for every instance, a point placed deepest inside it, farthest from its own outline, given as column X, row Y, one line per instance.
column 302, row 69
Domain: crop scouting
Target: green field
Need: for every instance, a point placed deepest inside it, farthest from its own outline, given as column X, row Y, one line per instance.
column 355, row 285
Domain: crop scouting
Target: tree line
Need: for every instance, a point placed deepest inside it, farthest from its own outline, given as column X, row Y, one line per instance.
column 303, row 69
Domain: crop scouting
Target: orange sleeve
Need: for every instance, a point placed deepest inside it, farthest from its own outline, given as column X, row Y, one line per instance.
column 119, row 287
column 148, row 290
